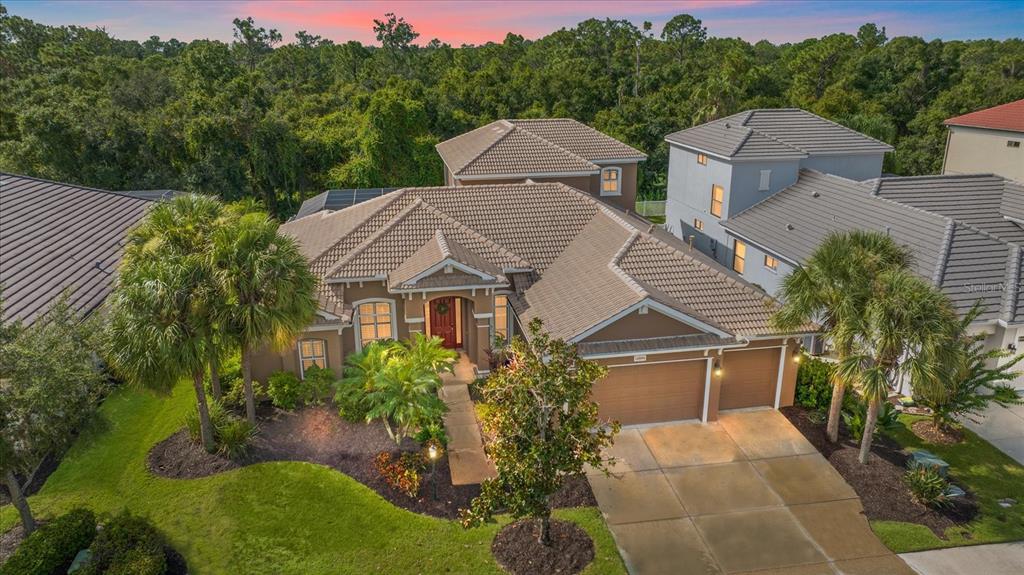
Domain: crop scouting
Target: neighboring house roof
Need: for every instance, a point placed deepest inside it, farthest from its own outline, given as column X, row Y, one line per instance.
column 1008, row 117
column 60, row 238
column 570, row 260
column 776, row 133
column 951, row 224
column 529, row 147
column 152, row 195
column 339, row 199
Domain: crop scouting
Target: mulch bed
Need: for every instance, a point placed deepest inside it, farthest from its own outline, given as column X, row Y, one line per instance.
column 880, row 483
column 927, row 431
column 517, row 550
column 10, row 540
column 319, row 435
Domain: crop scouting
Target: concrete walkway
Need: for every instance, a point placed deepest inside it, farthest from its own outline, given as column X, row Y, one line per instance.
column 998, row 559
column 1002, row 427
column 466, row 456
column 747, row 494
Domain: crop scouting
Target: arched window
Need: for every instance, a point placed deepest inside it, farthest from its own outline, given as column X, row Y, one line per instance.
column 611, row 182
column 312, row 352
column 375, row 319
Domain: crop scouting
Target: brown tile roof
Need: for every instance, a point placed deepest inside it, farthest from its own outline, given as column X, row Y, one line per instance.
column 575, row 262
column 522, row 147
column 57, row 238
column 1009, row 117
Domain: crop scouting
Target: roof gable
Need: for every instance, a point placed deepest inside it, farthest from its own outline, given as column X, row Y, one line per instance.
column 440, row 255
column 1009, row 117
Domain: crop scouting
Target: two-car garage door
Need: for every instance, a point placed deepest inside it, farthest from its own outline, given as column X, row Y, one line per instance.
column 672, row 391
column 652, row 392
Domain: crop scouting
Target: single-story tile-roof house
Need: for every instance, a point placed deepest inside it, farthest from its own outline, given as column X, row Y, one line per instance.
column 62, row 239
column 683, row 337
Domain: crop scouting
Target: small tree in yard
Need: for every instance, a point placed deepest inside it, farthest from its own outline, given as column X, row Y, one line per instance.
column 965, row 384
column 544, row 427
column 49, row 384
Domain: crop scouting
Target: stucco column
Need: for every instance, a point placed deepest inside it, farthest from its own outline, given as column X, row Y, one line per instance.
column 715, row 388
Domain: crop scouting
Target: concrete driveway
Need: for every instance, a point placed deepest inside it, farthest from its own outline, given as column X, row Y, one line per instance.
column 1002, row 427
column 747, row 494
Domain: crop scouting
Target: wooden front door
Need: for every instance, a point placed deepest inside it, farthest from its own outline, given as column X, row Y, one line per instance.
column 442, row 320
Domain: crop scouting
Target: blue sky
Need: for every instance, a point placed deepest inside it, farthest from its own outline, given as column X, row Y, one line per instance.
column 458, row 22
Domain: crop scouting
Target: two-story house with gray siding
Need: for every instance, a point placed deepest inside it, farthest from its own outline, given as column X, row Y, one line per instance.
column 723, row 167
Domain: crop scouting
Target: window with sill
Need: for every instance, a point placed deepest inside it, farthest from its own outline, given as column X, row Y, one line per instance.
column 739, row 257
column 611, row 182
column 717, row 198
column 771, row 263
column 702, row 159
column 312, row 352
column 375, row 321
column 501, row 315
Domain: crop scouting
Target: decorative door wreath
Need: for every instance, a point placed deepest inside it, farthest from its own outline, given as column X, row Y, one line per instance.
column 441, row 308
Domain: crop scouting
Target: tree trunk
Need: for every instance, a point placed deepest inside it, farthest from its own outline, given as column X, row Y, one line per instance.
column 205, row 426
column 215, row 373
column 20, row 503
column 545, row 529
column 869, row 430
column 835, row 409
column 250, row 395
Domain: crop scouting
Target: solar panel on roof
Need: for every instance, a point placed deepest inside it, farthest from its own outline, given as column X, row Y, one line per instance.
column 340, row 199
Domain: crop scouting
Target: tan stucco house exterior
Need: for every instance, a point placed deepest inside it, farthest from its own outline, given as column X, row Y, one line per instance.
column 683, row 337
column 987, row 141
column 544, row 150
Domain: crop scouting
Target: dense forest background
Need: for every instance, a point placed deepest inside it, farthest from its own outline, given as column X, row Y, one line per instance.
column 282, row 121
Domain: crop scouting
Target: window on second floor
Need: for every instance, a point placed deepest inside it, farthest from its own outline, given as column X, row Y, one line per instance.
column 698, row 224
column 1012, row 143
column 611, row 182
column 702, row 159
column 771, row 263
column 766, row 180
column 739, row 257
column 717, row 197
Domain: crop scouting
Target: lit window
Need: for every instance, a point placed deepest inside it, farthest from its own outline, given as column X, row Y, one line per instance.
column 702, row 159
column 611, row 184
column 501, row 316
column 312, row 352
column 771, row 263
column 766, row 179
column 739, row 257
column 717, row 197
column 698, row 225
column 374, row 322
column 1012, row 144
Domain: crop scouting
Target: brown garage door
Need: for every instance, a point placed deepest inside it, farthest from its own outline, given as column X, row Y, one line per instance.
column 651, row 393
column 749, row 378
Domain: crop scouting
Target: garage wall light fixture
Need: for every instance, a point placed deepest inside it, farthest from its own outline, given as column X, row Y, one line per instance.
column 797, row 355
column 718, row 368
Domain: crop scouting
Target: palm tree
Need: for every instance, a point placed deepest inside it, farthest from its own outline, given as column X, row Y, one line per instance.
column 833, row 288
column 159, row 325
column 268, row 290
column 905, row 330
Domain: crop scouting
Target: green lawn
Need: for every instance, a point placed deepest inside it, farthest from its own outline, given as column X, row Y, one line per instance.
column 988, row 472
column 281, row 517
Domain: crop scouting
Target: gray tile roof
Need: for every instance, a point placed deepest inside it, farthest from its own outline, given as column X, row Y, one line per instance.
column 543, row 146
column 573, row 261
column 783, row 133
column 60, row 238
column 951, row 224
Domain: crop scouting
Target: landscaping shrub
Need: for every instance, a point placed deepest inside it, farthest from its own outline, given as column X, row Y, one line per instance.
column 51, row 548
column 813, row 383
column 218, row 417
column 433, row 431
column 855, row 415
column 234, row 436
column 317, row 386
column 403, row 474
column 127, row 545
column 928, row 486
column 284, row 389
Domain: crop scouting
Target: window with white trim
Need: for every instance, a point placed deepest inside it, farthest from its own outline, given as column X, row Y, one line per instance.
column 717, row 199
column 739, row 257
column 702, row 159
column 766, row 179
column 312, row 352
column 375, row 321
column 501, row 316
column 771, row 262
column 611, row 182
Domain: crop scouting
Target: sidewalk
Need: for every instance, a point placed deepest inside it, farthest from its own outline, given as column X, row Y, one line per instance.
column 466, row 456
column 997, row 559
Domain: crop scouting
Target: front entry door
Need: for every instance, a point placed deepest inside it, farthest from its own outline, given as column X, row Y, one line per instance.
column 442, row 320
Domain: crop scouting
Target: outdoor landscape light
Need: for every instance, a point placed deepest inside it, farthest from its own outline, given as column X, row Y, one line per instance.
column 433, row 453
column 718, row 368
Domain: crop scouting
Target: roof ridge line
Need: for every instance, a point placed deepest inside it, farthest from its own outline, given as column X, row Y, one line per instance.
column 442, row 242
column 509, row 129
column 398, row 195
column 555, row 146
column 368, row 240
column 947, row 246
column 487, row 241
column 743, row 141
column 1009, row 307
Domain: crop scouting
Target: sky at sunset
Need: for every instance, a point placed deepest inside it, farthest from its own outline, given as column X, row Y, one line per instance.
column 476, row 22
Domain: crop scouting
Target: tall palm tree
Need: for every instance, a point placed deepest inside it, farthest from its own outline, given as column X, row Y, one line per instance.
column 832, row 289
column 906, row 329
column 269, row 292
column 159, row 325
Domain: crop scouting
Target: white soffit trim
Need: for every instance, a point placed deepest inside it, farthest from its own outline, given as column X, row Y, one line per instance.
column 449, row 262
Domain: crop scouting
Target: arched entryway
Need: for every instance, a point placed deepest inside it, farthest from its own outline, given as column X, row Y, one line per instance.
column 446, row 318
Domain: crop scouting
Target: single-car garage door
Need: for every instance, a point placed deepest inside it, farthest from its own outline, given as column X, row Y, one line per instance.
column 749, row 378
column 651, row 393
